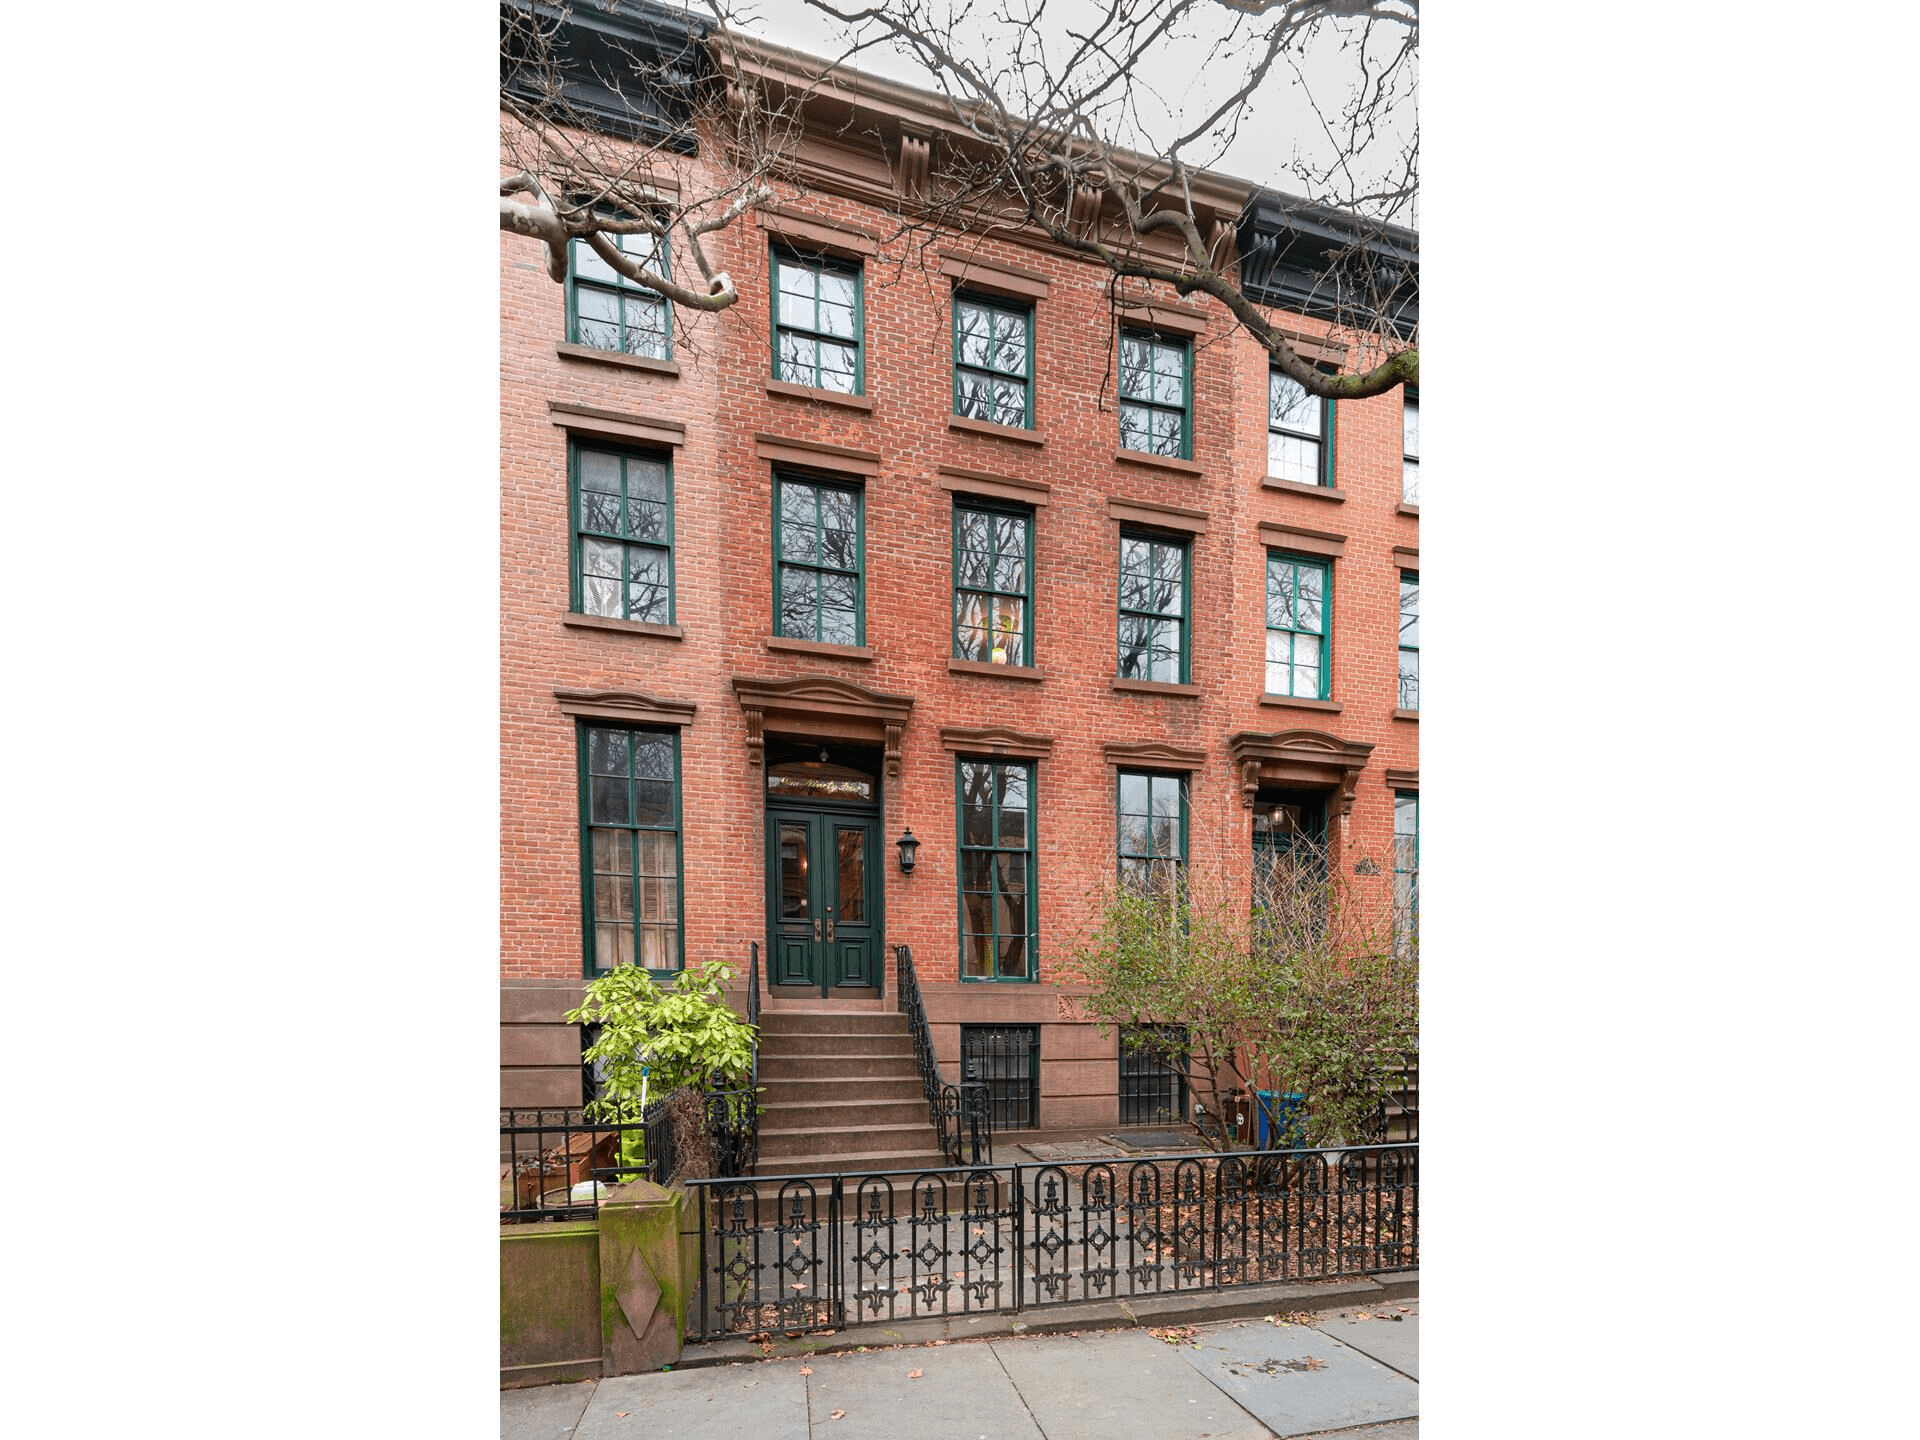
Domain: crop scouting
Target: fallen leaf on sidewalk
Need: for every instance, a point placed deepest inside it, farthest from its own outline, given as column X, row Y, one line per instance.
column 1362, row 1315
column 915, row 1374
column 836, row 1414
column 1176, row 1335
column 623, row 1413
column 806, row 1369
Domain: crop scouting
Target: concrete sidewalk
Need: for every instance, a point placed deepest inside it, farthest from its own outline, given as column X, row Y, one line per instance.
column 1354, row 1377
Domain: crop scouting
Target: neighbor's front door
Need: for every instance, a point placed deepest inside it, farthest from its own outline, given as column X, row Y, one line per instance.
column 822, row 894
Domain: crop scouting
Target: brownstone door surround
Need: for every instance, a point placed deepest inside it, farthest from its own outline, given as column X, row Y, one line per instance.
column 829, row 712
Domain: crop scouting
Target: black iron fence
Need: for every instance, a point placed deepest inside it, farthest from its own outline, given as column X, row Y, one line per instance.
column 805, row 1252
column 554, row 1162
column 961, row 1114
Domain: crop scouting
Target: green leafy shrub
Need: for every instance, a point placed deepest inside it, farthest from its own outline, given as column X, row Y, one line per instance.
column 684, row 1034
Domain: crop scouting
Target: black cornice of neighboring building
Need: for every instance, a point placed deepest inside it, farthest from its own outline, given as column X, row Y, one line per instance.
column 1286, row 245
column 602, row 38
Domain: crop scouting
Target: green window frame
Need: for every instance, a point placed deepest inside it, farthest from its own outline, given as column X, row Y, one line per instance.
column 630, row 855
column 622, row 505
column 1151, row 830
column 608, row 311
column 1406, row 871
column 1299, row 433
column 993, row 361
column 999, row 897
column 1409, row 447
column 1156, row 584
column 1299, row 626
column 1409, row 640
column 1156, row 390
column 819, row 548
column 992, row 583
column 819, row 319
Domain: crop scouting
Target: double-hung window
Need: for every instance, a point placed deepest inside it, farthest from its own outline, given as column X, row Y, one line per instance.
column 818, row 315
column 1406, row 870
column 818, row 547
column 992, row 361
column 623, row 535
column 1297, row 614
column 630, row 814
column 1155, row 383
column 1152, row 832
column 1409, row 448
column 999, row 923
column 992, row 584
column 1409, row 640
column 1154, row 584
column 608, row 311
column 1299, row 433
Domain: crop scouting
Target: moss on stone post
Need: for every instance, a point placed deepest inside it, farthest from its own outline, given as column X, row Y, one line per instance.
column 645, row 1283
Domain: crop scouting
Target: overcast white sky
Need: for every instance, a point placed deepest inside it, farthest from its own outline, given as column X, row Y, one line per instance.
column 1188, row 76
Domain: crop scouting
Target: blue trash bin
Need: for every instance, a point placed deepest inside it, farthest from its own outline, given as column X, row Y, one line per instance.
column 1285, row 1113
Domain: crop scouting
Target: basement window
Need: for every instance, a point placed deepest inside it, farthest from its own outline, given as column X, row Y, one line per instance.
column 1006, row 1059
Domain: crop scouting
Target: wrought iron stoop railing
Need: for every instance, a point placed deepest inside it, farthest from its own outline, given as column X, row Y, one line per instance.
column 733, row 1116
column 962, row 1113
column 839, row 1249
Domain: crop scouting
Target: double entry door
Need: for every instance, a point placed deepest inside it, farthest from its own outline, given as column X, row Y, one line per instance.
column 823, row 896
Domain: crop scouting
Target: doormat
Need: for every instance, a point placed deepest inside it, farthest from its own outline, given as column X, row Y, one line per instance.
column 1159, row 1140
column 1074, row 1151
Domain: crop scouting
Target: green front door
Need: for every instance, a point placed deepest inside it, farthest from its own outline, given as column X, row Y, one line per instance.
column 823, row 900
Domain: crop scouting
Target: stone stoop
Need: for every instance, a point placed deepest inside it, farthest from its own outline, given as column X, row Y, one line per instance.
column 842, row 1094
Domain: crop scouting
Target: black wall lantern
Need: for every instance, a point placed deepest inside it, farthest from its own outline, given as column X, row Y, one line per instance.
column 909, row 848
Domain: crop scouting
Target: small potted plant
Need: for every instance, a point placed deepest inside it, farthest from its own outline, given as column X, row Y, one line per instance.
column 1003, row 639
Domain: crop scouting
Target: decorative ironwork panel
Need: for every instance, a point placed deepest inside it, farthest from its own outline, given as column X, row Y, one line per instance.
column 838, row 1249
column 1050, row 1232
column 1099, row 1234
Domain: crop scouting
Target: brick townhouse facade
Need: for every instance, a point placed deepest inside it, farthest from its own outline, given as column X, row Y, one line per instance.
column 946, row 538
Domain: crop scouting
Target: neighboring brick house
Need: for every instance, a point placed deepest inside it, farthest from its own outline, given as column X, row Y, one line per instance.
column 846, row 609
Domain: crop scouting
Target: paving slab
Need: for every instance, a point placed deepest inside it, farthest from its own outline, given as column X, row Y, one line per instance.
column 1270, row 1371
column 1094, row 1387
column 963, row 1394
column 543, row 1412
column 1392, row 1342
column 1071, row 1151
column 768, row 1402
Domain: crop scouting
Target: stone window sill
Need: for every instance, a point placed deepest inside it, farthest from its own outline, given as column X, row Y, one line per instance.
column 967, row 425
column 630, row 627
column 826, row 651
column 1290, row 702
column 998, row 672
column 1158, row 462
column 812, row 393
column 1405, row 509
column 1154, row 687
column 1312, row 492
column 1413, row 715
column 618, row 358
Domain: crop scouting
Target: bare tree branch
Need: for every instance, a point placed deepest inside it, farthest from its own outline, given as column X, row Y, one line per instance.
column 1035, row 137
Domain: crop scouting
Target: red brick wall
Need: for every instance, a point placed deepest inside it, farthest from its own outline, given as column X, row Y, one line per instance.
column 723, row 526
